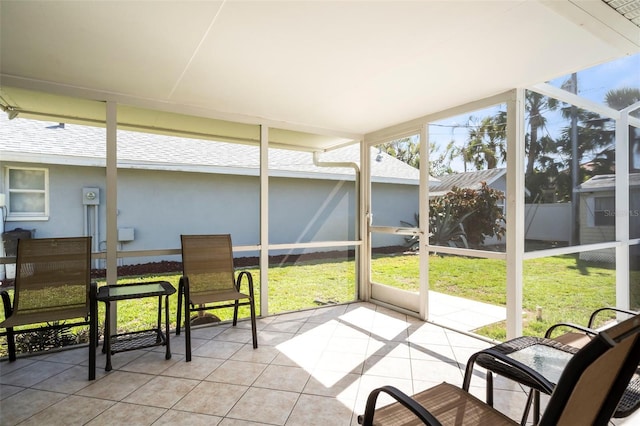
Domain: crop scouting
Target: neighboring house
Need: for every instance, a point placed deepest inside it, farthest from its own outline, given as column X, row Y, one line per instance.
column 494, row 178
column 598, row 214
column 53, row 178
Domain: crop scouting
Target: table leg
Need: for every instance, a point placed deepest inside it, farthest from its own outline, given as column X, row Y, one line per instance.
column 107, row 334
column 158, row 326
column 489, row 388
column 166, row 327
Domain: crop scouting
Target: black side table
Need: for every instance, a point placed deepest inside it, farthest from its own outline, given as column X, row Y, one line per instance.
column 114, row 343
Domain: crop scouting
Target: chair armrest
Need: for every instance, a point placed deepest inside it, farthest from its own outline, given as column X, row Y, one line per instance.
column 608, row 308
column 367, row 418
column 6, row 302
column 249, row 277
column 585, row 330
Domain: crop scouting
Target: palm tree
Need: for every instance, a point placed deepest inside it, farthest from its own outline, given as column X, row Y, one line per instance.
column 622, row 98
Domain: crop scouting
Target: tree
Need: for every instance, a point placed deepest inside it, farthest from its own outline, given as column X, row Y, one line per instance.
column 478, row 211
column 536, row 105
column 406, row 150
column 487, row 141
column 621, row 98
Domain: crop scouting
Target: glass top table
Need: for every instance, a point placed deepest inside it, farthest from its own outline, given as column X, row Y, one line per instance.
column 120, row 342
column 546, row 360
column 546, row 357
column 135, row 290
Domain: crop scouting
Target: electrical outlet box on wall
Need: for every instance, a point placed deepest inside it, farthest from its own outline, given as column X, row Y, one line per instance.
column 91, row 196
column 125, row 234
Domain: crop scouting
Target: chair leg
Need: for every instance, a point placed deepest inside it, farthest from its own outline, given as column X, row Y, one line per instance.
column 11, row 344
column 235, row 312
column 527, row 407
column 489, row 388
column 536, row 407
column 179, row 316
column 254, row 332
column 187, row 330
column 93, row 336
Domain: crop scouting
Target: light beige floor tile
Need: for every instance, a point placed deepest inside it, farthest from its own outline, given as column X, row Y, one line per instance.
column 130, row 414
column 261, row 354
column 388, row 367
column 198, row 368
column 161, row 391
column 22, row 405
column 217, row 349
column 35, row 373
column 7, row 367
column 120, row 359
column 285, row 326
column 8, row 390
column 369, row 383
column 115, row 386
column 339, row 361
column 175, row 417
column 344, row 344
column 436, row 371
column 386, row 348
column 74, row 356
column 265, row 405
column 237, row 422
column 345, row 330
column 177, row 344
column 283, row 378
column 207, row 332
column 432, row 352
column 211, row 398
column 237, row 372
column 318, row 329
column 273, row 338
column 235, row 334
column 327, row 313
column 343, row 386
column 149, row 363
column 73, row 410
column 69, row 381
column 313, row 410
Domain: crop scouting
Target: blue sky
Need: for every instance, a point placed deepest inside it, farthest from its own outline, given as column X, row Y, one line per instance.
column 593, row 84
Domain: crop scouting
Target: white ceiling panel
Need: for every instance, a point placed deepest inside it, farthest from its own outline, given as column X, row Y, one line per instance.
column 341, row 69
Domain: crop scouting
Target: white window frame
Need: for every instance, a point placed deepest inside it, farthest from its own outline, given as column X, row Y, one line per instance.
column 27, row 216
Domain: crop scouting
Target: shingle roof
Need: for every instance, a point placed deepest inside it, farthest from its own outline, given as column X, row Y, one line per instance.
column 44, row 142
column 607, row 183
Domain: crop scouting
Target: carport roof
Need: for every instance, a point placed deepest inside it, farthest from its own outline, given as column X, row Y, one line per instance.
column 319, row 74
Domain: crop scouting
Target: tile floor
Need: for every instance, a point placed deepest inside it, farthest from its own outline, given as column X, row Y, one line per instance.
column 312, row 368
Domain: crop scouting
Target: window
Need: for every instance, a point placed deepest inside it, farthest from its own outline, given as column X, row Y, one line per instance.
column 603, row 211
column 28, row 193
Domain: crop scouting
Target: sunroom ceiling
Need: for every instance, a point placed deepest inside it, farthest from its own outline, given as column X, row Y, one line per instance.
column 319, row 73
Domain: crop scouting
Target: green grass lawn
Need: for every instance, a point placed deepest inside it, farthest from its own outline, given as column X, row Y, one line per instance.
column 565, row 288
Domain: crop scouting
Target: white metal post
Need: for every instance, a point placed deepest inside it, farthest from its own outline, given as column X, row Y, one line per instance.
column 515, row 211
column 264, row 220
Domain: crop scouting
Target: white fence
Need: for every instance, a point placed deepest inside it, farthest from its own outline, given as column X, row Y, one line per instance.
column 548, row 222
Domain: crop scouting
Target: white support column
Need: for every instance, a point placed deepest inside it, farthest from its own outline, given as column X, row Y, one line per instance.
column 515, row 211
column 424, row 222
column 264, row 220
column 112, row 194
column 364, row 281
column 622, row 207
